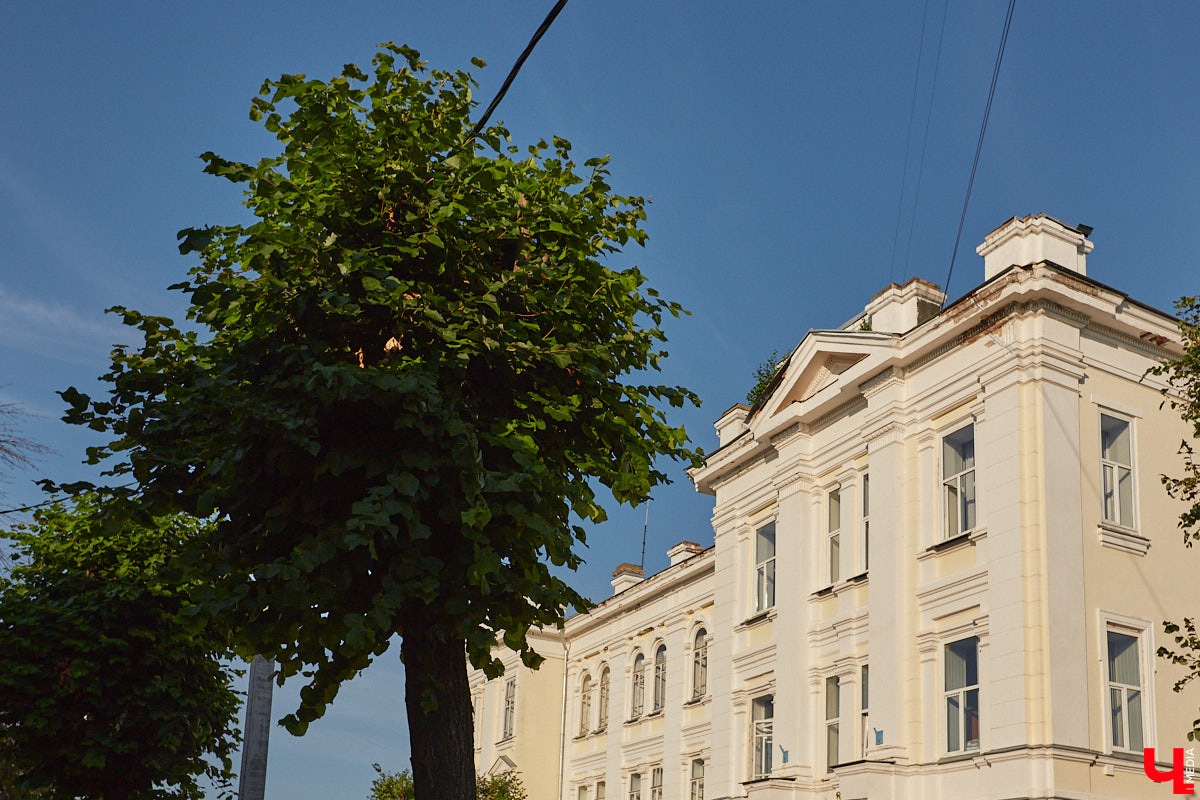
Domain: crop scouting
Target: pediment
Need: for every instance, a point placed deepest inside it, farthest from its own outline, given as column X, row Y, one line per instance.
column 503, row 765
column 816, row 367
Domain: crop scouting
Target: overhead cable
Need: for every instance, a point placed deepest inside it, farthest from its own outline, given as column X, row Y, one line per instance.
column 908, row 140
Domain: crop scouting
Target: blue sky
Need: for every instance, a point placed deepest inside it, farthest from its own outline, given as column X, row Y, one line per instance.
column 769, row 136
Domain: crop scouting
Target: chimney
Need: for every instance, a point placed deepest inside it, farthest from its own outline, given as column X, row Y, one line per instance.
column 901, row 308
column 1035, row 238
column 731, row 423
column 683, row 551
column 626, row 575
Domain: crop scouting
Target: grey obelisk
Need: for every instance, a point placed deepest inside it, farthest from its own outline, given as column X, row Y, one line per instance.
column 252, row 784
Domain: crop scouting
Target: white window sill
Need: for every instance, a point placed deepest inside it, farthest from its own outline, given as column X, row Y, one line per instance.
column 953, row 543
column 1118, row 537
column 757, row 618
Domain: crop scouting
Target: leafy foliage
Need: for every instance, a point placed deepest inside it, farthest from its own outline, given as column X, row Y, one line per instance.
column 107, row 692
column 413, row 374
column 399, row 786
column 1183, row 378
column 764, row 377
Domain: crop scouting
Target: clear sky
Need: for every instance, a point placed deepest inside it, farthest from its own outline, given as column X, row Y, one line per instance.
column 771, row 138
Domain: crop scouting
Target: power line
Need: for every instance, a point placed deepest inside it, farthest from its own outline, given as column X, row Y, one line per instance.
column 979, row 145
column 55, row 500
column 541, row 31
column 908, row 140
column 937, row 62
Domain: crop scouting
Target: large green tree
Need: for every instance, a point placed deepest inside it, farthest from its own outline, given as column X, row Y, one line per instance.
column 110, row 691
column 405, row 384
column 1183, row 395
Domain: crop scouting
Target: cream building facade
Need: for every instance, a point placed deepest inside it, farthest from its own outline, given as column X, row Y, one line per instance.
column 941, row 559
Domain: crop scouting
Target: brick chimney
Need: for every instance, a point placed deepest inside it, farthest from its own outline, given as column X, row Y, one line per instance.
column 626, row 575
column 1035, row 238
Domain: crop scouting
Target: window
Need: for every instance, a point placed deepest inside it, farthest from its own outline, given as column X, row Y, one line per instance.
column 697, row 782
column 600, row 791
column 583, row 793
column 602, row 710
column 864, row 704
column 958, row 480
column 656, row 783
column 764, row 567
column 866, row 522
column 585, row 705
column 700, row 665
column 660, row 677
column 510, row 707
column 833, row 711
column 962, row 695
column 635, row 787
column 762, row 717
column 639, row 686
column 834, row 536
column 1125, row 691
column 1116, row 470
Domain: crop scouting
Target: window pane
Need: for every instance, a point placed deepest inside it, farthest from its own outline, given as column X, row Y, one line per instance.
column 763, row 708
column 835, row 510
column 1123, row 659
column 600, row 788
column 835, row 558
column 866, row 688
column 1133, row 706
column 769, row 584
column 866, row 505
column 958, row 451
column 952, row 528
column 831, row 747
column 832, row 698
column 971, row 718
column 1110, row 495
column 962, row 667
column 1118, row 716
column 765, row 543
column 1125, row 494
column 953, row 713
column 968, row 500
column 1114, row 440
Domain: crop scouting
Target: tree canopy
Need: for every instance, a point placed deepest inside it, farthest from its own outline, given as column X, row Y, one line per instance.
column 109, row 690
column 1183, row 395
column 404, row 385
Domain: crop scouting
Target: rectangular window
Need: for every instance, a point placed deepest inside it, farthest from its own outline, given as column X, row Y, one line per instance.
column 764, row 567
column 510, row 708
column 1116, row 470
column 1125, row 691
column 656, row 783
column 762, row 719
column 958, row 480
column 834, row 536
column 583, row 793
column 635, row 787
column 697, row 782
column 833, row 712
column 864, row 704
column 600, row 791
column 866, row 522
column 962, row 695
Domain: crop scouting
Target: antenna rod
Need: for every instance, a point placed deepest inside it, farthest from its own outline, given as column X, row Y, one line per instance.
column 645, row 527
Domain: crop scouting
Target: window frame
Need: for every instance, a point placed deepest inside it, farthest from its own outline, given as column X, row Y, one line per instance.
column 602, row 700
column 864, row 705
column 635, row 786
column 762, row 737
column 637, row 687
column 763, row 585
column 833, row 535
column 509, row 716
column 700, row 663
column 601, row 791
column 696, row 782
column 864, row 507
column 833, row 722
column 956, row 482
column 1143, row 631
column 659, row 695
column 1106, row 463
column 961, row 692
column 585, row 704
column 656, row 783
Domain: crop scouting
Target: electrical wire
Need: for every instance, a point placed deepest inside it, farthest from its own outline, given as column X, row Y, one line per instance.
column 987, row 110
column 907, row 141
column 51, row 502
column 538, row 34
column 937, row 62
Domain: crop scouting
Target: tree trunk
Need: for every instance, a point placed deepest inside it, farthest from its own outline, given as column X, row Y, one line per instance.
column 441, row 735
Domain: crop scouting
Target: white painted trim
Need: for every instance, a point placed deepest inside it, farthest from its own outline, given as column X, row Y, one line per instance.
column 1121, row 408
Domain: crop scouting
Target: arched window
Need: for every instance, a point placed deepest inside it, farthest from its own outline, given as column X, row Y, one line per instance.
column 585, row 705
column 639, row 685
column 602, row 710
column 700, row 665
column 660, row 677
